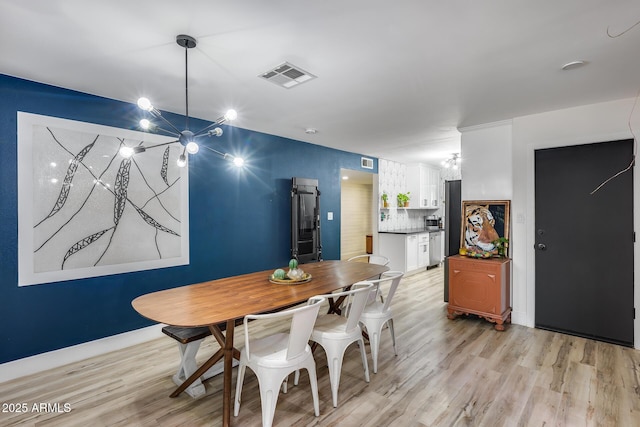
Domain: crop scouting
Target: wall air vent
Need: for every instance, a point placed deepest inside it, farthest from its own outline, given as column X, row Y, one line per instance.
column 287, row 75
column 366, row 163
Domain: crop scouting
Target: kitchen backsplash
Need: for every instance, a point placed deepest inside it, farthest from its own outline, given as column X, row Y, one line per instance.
column 392, row 179
column 400, row 219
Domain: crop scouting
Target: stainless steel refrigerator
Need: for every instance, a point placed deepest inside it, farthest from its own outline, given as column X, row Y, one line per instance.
column 452, row 226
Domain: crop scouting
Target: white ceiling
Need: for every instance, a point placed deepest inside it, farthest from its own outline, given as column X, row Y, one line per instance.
column 396, row 80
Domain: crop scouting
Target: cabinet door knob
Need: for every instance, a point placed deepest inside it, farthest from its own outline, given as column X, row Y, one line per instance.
column 541, row 246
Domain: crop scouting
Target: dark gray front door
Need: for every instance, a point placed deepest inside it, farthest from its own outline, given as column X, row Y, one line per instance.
column 584, row 242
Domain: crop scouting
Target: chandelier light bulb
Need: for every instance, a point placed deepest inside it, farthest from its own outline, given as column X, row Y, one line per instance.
column 182, row 161
column 192, row 148
column 215, row 132
column 231, row 115
column 145, row 124
column 145, row 104
column 238, row 161
column 126, row 152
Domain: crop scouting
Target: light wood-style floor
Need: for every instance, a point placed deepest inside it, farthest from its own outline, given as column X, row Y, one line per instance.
column 447, row 373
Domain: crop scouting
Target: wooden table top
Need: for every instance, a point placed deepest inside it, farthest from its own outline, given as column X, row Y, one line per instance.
column 217, row 301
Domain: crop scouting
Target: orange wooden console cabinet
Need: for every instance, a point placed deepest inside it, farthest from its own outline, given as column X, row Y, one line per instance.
column 481, row 287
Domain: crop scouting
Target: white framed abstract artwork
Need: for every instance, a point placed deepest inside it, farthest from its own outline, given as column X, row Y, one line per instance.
column 86, row 211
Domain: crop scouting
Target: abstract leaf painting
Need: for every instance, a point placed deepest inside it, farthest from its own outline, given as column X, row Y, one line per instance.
column 85, row 211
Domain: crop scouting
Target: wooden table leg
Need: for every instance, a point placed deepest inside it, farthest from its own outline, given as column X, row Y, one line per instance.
column 228, row 366
column 228, row 352
column 334, row 306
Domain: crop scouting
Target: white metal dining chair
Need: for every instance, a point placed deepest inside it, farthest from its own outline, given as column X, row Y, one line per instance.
column 371, row 259
column 274, row 357
column 335, row 333
column 376, row 313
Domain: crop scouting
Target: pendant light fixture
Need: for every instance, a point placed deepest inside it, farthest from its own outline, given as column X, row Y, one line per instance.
column 187, row 138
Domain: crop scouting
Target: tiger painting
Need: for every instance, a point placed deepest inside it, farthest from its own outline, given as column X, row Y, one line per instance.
column 479, row 233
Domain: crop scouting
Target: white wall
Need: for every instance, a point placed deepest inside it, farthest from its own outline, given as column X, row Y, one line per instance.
column 585, row 124
column 486, row 162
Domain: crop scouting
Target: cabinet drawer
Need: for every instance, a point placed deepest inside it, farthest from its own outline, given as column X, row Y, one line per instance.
column 487, row 266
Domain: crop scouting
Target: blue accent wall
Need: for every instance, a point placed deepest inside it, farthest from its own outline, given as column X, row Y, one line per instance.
column 239, row 221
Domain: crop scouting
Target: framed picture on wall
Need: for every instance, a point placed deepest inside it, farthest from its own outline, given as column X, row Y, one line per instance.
column 485, row 225
column 85, row 210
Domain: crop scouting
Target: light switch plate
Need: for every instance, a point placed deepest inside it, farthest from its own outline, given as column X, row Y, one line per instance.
column 329, row 216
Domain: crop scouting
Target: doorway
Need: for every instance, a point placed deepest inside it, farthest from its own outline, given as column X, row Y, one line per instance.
column 356, row 223
column 584, row 242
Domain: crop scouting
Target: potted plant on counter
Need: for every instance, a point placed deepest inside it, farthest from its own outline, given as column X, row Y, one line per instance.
column 403, row 199
column 385, row 200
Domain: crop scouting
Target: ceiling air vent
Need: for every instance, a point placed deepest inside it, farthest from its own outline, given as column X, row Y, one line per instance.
column 287, row 75
column 366, row 163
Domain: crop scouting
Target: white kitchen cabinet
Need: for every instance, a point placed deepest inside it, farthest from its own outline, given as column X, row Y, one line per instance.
column 417, row 185
column 411, row 252
column 423, row 249
column 402, row 251
column 434, row 187
column 422, row 182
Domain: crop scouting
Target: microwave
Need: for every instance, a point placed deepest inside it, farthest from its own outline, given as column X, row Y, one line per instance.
column 431, row 223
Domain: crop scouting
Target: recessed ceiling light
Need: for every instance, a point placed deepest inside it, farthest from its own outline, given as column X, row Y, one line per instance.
column 345, row 177
column 573, row 64
column 311, row 131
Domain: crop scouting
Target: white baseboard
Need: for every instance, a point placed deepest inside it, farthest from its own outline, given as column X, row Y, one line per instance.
column 53, row 359
column 520, row 318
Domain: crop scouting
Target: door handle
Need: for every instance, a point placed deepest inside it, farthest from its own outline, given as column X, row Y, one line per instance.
column 540, row 246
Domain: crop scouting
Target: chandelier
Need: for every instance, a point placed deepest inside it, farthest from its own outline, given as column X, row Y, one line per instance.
column 187, row 138
column 452, row 162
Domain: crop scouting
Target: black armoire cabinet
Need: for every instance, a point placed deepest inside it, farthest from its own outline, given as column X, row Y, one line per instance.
column 306, row 243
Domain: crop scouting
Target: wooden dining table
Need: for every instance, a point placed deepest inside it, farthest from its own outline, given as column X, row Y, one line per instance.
column 223, row 301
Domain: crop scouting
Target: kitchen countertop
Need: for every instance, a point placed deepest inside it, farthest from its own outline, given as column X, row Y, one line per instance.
column 411, row 231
